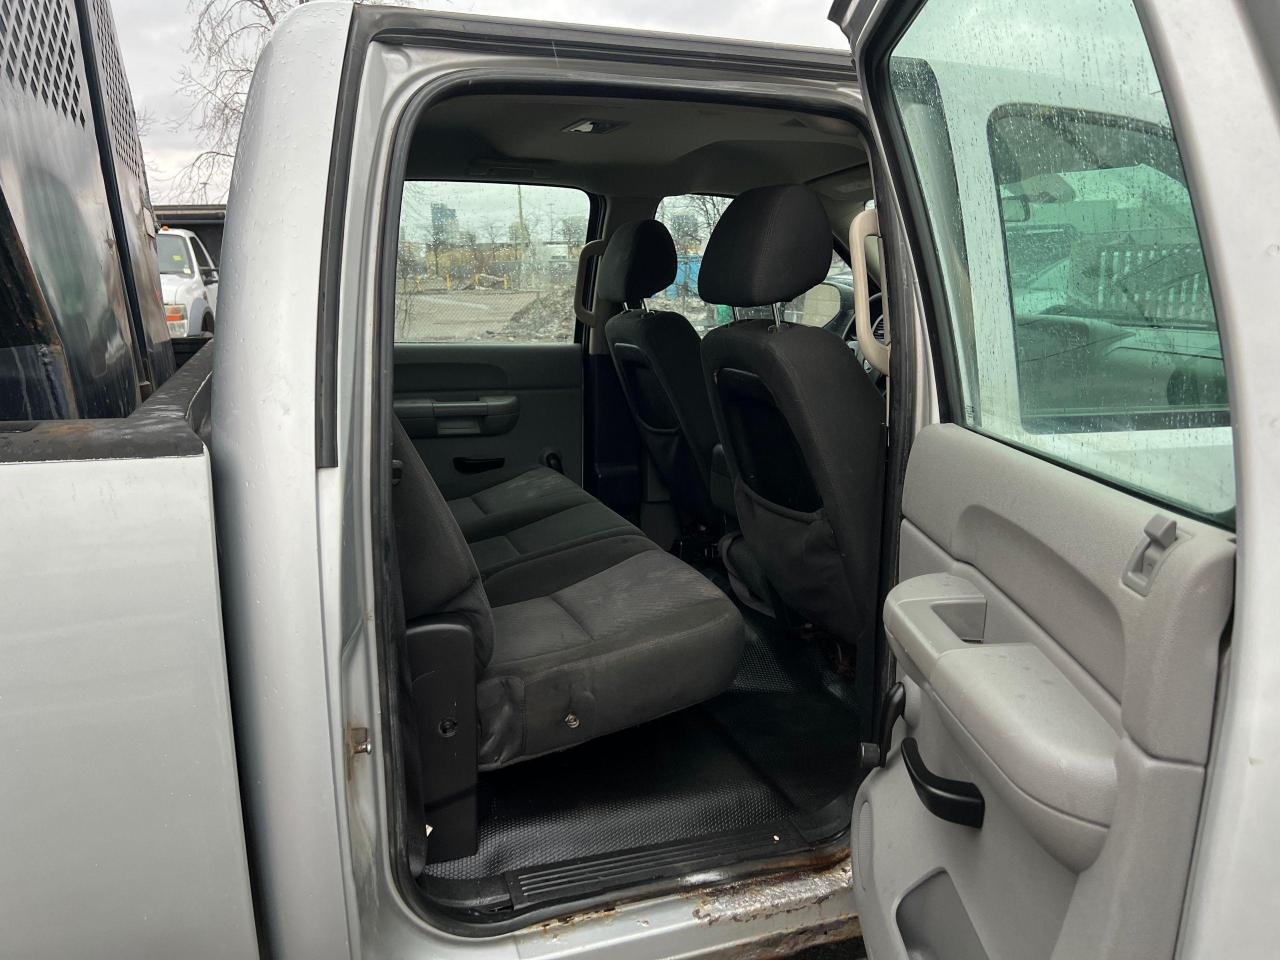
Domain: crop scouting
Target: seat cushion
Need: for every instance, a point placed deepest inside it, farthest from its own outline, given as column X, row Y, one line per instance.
column 536, row 493
column 641, row 637
column 532, row 515
column 584, row 523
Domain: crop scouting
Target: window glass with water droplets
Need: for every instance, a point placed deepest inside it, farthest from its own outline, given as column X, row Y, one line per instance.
column 1075, row 287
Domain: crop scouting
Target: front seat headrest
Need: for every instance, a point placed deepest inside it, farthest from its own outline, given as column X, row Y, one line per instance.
column 771, row 245
column 639, row 261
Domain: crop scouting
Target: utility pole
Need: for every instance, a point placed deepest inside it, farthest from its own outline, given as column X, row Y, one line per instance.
column 525, row 239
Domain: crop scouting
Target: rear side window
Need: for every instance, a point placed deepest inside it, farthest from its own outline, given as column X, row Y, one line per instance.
column 488, row 262
column 1079, row 302
column 690, row 218
column 202, row 255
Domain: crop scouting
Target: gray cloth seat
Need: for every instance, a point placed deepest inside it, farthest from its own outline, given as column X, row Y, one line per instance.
column 801, row 421
column 533, row 494
column 656, row 354
column 530, row 515
column 574, row 644
column 640, row 638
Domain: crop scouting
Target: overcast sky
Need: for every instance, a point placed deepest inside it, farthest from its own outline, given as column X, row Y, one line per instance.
column 154, row 34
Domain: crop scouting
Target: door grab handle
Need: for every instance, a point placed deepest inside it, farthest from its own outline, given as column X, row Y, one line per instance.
column 874, row 754
column 956, row 801
column 865, row 226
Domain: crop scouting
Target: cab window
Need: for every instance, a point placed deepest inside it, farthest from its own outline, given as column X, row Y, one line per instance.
column 202, row 255
column 488, row 262
column 690, row 219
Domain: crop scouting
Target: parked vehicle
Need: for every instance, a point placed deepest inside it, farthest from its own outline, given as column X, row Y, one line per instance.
column 473, row 606
column 189, row 282
column 205, row 220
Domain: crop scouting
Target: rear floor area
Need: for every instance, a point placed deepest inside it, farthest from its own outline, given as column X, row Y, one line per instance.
column 779, row 747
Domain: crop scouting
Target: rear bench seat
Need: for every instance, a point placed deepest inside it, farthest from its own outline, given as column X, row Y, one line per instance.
column 533, row 514
column 581, row 625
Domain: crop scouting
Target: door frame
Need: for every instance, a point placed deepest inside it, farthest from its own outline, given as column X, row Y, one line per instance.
column 389, row 101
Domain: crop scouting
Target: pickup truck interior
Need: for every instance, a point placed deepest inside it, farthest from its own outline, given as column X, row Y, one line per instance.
column 638, row 515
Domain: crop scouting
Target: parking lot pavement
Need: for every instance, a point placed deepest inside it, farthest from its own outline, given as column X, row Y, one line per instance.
column 459, row 314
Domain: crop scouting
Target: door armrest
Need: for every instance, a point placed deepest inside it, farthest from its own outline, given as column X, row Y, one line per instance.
column 1019, row 721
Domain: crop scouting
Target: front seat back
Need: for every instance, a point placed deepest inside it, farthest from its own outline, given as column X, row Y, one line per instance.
column 800, row 420
column 656, row 353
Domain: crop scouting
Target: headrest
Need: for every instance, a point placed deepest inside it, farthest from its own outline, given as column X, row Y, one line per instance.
column 639, row 261
column 771, row 245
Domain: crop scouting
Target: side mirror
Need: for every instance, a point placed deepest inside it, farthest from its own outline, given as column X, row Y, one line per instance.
column 209, row 274
column 1016, row 209
column 818, row 306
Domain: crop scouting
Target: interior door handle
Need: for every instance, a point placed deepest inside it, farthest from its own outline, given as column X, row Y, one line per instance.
column 484, row 407
column 483, row 417
column 956, row 801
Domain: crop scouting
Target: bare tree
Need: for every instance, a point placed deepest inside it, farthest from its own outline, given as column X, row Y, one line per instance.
column 708, row 209
column 492, row 233
column 408, row 266
column 435, row 242
column 229, row 36
column 225, row 44
column 687, row 231
column 573, row 232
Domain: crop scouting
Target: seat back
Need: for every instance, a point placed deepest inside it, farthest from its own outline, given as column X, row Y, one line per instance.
column 656, row 354
column 801, row 421
column 438, row 574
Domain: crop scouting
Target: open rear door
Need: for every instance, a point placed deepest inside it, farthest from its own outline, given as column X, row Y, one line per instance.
column 1067, row 550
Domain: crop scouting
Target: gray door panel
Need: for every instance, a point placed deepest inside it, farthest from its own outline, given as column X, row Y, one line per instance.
column 1078, row 707
column 471, row 406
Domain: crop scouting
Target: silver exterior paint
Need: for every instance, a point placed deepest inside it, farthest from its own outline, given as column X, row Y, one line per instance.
column 273, row 508
column 120, row 819
column 1221, row 77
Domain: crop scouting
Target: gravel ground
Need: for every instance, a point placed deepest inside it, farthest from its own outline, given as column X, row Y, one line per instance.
column 512, row 316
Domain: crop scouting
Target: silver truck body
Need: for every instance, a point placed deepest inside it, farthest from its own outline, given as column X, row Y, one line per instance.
column 190, row 667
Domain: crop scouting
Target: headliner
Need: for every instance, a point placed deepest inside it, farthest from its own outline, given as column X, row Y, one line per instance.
column 659, row 148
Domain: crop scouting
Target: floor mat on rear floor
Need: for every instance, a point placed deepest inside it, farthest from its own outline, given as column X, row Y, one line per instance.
column 776, row 745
